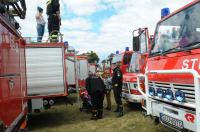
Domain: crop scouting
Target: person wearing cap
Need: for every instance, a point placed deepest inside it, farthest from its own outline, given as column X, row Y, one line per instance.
column 40, row 24
column 96, row 89
column 117, row 87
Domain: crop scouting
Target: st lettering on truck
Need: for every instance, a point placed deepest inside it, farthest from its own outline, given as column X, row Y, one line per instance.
column 123, row 58
column 46, row 74
column 13, row 104
column 172, row 73
column 137, row 65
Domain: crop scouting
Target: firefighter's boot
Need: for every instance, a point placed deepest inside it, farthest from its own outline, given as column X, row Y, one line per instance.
column 94, row 115
column 100, row 114
column 121, row 113
column 117, row 109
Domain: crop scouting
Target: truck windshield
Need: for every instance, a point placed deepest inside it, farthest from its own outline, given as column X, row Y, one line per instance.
column 178, row 32
column 127, row 58
column 134, row 64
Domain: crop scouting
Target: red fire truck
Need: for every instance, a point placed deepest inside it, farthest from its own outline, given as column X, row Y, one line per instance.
column 123, row 58
column 82, row 71
column 92, row 67
column 106, row 64
column 13, row 105
column 71, row 69
column 172, row 74
column 137, row 65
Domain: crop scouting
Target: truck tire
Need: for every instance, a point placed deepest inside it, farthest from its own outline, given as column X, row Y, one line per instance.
column 1, row 126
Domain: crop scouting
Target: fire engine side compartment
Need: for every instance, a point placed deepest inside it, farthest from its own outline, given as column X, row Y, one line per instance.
column 45, row 70
column 70, row 64
column 12, row 76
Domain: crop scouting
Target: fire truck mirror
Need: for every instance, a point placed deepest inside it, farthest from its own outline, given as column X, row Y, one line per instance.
column 136, row 43
column 17, row 25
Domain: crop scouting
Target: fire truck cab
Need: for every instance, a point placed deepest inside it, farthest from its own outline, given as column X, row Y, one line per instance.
column 123, row 58
column 137, row 65
column 172, row 75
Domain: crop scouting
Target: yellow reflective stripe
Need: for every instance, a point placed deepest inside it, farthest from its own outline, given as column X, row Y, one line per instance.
column 54, row 36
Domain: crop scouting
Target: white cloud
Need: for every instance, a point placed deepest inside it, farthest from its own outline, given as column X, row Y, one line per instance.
column 84, row 7
column 76, row 24
column 115, row 32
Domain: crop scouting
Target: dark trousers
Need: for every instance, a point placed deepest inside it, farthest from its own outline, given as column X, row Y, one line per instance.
column 97, row 101
column 108, row 99
column 117, row 94
column 53, row 25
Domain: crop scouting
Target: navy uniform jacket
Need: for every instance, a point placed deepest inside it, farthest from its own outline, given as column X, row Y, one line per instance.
column 94, row 84
column 117, row 77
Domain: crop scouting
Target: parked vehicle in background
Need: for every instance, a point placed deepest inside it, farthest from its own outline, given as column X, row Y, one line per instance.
column 172, row 74
column 13, row 103
column 123, row 58
column 92, row 68
column 71, row 69
column 82, row 71
column 137, row 66
column 106, row 64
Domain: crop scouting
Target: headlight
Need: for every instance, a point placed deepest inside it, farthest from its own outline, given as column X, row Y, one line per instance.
column 169, row 94
column 160, row 93
column 152, row 91
column 180, row 96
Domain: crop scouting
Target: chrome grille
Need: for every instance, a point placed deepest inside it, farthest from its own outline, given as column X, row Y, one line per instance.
column 188, row 89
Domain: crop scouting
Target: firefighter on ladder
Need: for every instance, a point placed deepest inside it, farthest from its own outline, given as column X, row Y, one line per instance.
column 117, row 88
column 54, row 19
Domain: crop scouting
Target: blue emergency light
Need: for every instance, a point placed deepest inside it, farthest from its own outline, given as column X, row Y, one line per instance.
column 117, row 52
column 127, row 49
column 66, row 43
column 165, row 12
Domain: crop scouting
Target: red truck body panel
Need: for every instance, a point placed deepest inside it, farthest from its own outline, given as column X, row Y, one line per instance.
column 179, row 60
column 12, row 75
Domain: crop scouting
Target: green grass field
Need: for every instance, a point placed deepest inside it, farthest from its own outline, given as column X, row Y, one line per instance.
column 62, row 118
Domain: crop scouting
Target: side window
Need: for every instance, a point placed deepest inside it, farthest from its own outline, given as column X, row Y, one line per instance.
column 143, row 40
column 134, row 64
column 127, row 58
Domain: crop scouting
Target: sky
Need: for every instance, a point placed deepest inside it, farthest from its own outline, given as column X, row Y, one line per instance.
column 103, row 26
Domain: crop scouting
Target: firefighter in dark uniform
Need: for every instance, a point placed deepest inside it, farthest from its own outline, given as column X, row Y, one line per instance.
column 54, row 19
column 117, row 88
column 96, row 89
